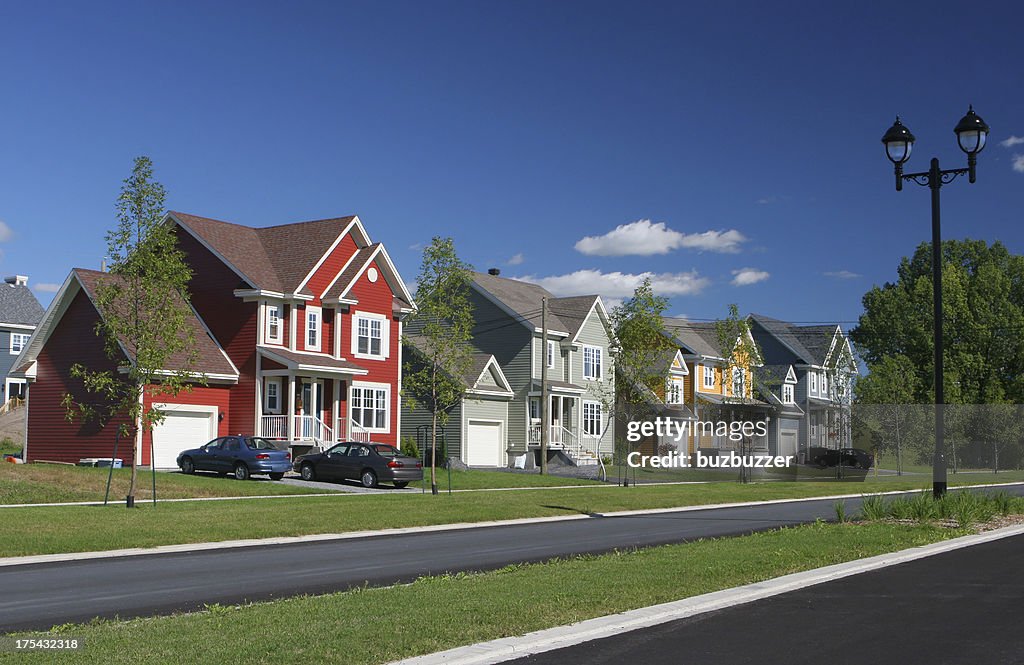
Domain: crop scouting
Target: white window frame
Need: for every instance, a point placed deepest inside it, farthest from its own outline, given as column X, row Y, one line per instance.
column 313, row 328
column 824, row 384
column 376, row 390
column 23, row 338
column 675, row 391
column 552, row 351
column 597, row 359
column 709, row 376
column 588, row 418
column 788, row 394
column 274, row 383
column 271, row 320
column 739, row 375
column 370, row 319
column 813, row 382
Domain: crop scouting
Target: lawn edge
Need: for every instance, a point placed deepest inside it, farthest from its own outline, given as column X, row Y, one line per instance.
column 509, row 648
column 32, row 559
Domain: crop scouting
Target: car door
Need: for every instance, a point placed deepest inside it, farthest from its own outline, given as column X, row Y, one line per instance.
column 332, row 465
column 358, row 457
column 230, row 453
column 205, row 458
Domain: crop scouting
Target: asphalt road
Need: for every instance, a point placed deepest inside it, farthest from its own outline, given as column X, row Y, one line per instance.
column 960, row 607
column 38, row 596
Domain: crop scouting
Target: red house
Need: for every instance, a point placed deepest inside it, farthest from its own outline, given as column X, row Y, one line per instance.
column 298, row 331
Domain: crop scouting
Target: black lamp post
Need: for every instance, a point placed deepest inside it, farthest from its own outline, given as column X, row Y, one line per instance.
column 971, row 133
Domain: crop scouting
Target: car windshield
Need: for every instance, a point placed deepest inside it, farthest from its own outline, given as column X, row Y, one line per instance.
column 257, row 443
column 386, row 451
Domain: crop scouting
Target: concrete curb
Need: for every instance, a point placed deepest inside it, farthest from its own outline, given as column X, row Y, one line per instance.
column 289, row 540
column 509, row 648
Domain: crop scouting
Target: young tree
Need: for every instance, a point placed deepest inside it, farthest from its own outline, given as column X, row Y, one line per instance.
column 740, row 352
column 885, row 403
column 144, row 311
column 638, row 356
column 441, row 330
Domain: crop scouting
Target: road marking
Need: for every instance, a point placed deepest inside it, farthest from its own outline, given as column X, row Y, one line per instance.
column 289, row 540
column 510, row 648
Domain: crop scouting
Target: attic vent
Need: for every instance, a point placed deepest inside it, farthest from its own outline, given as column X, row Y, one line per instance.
column 494, row 271
column 17, row 280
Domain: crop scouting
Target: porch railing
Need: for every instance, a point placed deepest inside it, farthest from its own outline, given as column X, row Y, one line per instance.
column 311, row 427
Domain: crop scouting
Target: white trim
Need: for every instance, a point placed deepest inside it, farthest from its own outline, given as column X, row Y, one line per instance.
column 24, row 338
column 601, row 354
column 19, row 326
column 492, row 361
column 398, row 386
column 385, row 335
column 552, row 353
column 502, row 438
column 600, row 415
column 248, row 295
column 323, row 258
column 274, row 381
column 369, row 385
column 292, row 326
column 337, row 332
column 791, row 376
column 340, row 273
column 391, row 276
column 704, row 377
column 318, row 329
column 268, row 338
column 683, row 369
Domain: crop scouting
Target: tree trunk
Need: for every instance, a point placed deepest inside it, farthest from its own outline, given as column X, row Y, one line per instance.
column 433, row 452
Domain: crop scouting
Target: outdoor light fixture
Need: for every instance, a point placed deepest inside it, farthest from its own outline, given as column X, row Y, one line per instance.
column 971, row 133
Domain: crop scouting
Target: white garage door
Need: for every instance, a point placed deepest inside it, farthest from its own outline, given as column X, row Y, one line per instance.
column 787, row 443
column 184, row 427
column 483, row 444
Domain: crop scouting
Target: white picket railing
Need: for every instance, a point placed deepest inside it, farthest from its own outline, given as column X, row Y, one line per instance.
column 312, row 428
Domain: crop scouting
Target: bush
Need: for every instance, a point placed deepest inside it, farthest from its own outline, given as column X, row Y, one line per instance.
column 873, row 508
column 840, row 507
column 922, row 507
column 409, row 447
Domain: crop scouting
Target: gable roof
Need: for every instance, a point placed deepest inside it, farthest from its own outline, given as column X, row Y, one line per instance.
column 18, row 305
column 812, row 345
column 480, row 363
column 698, row 338
column 210, row 360
column 522, row 300
column 273, row 258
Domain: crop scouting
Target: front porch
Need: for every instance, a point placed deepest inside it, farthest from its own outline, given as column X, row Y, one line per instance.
column 564, row 433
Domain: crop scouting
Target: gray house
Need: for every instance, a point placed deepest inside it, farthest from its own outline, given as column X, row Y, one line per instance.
column 823, row 367
column 776, row 385
column 581, row 386
column 20, row 313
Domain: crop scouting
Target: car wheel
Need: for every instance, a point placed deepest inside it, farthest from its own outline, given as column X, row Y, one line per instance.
column 401, row 484
column 187, row 466
column 241, row 471
column 307, row 472
column 276, row 476
column 368, row 478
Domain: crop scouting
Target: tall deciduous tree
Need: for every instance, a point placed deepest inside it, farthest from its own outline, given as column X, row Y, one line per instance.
column 144, row 311
column 983, row 330
column 639, row 353
column 442, row 329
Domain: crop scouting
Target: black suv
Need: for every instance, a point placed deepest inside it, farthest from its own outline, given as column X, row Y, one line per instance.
column 854, row 457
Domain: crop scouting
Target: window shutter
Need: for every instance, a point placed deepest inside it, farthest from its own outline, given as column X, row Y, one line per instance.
column 385, row 338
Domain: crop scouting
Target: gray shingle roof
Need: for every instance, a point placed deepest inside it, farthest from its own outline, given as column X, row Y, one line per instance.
column 564, row 314
column 19, row 305
column 697, row 338
column 810, row 344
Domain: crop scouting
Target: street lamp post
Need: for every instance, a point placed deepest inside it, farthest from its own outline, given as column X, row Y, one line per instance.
column 971, row 133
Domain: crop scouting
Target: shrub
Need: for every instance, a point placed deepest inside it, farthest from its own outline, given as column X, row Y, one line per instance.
column 840, row 507
column 873, row 508
column 922, row 507
column 409, row 447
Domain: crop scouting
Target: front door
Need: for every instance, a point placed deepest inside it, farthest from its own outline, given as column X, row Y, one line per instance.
column 311, row 404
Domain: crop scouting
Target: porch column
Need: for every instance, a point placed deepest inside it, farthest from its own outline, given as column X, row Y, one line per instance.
column 291, row 407
column 335, row 389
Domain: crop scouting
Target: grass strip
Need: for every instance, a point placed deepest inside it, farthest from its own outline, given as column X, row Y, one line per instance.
column 50, row 483
column 48, row 530
column 437, row 613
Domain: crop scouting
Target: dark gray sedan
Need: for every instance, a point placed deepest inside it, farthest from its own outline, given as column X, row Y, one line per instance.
column 369, row 463
column 241, row 456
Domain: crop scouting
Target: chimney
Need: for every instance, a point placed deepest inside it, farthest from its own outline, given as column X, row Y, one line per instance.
column 17, row 280
column 494, row 271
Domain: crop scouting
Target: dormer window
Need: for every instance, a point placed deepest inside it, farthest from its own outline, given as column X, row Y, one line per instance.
column 709, row 376
column 814, row 382
column 787, row 394
column 274, row 324
column 674, row 391
column 313, row 327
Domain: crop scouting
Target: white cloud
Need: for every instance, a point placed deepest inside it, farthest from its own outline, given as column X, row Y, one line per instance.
column 1012, row 141
column 645, row 238
column 5, row 232
column 748, row 276
column 614, row 286
column 416, row 247
column 766, row 200
column 516, row 260
column 842, row 274
column 46, row 287
column 1018, row 163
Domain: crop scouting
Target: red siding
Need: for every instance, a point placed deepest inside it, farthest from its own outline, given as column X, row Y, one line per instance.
column 232, row 322
column 330, row 268
column 376, row 297
column 327, row 334
column 50, row 435
column 218, row 396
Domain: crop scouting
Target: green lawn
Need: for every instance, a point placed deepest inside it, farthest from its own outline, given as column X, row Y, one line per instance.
column 479, row 479
column 50, row 483
column 8, row 447
column 437, row 613
column 42, row 530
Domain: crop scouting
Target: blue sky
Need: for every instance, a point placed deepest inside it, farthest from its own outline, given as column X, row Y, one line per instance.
column 747, row 134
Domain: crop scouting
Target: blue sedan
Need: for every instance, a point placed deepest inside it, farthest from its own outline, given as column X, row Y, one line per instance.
column 241, row 456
